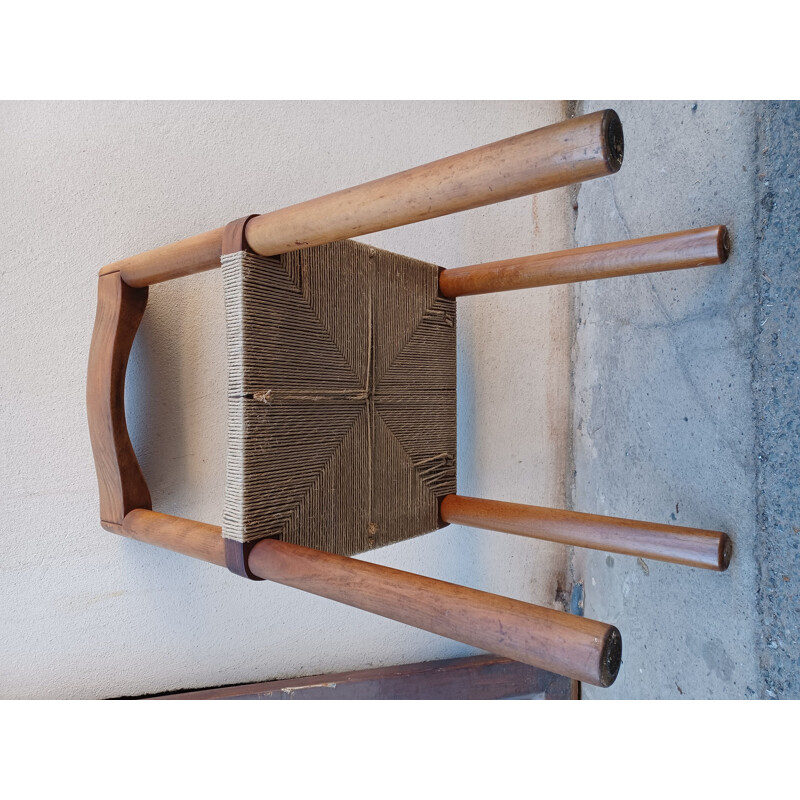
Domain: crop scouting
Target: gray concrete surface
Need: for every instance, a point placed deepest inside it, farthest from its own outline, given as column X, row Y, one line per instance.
column 685, row 401
column 776, row 382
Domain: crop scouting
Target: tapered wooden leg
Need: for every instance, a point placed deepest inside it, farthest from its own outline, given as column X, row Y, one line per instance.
column 695, row 248
column 576, row 150
column 579, row 648
column 690, row 546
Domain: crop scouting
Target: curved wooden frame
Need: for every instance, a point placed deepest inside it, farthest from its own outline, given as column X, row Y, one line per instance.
column 573, row 151
column 122, row 485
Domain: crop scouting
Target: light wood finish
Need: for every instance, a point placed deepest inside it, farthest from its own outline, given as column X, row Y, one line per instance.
column 690, row 546
column 569, row 152
column 579, row 648
column 694, row 248
column 472, row 678
column 195, row 539
column 185, row 257
column 121, row 483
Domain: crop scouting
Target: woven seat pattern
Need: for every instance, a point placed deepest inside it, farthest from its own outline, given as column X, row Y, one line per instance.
column 342, row 397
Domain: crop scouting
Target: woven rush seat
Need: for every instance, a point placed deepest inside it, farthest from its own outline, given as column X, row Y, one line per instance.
column 341, row 397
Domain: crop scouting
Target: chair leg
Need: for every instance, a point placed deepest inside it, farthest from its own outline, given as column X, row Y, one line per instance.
column 579, row 648
column 576, row 150
column 690, row 546
column 695, row 248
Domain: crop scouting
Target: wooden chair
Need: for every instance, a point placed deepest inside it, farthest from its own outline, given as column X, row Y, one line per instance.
column 271, row 265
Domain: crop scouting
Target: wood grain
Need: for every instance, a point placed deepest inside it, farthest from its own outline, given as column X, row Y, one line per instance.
column 690, row 546
column 579, row 648
column 568, row 152
column 555, row 641
column 474, row 678
column 120, row 480
column 693, row 248
column 175, row 260
column 195, row 539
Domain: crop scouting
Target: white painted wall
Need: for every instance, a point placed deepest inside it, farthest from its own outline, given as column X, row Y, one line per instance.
column 84, row 613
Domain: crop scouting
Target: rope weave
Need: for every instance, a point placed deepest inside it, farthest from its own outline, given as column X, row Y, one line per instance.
column 342, row 397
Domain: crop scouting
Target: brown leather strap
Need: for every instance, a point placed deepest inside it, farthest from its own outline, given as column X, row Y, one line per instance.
column 233, row 238
column 237, row 553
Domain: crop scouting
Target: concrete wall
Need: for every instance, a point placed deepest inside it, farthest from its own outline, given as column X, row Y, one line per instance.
column 664, row 421
column 86, row 614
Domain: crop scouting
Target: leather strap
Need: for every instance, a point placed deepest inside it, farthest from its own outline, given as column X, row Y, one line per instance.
column 233, row 238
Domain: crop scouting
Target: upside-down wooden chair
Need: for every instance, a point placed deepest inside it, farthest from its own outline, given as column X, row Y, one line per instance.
column 342, row 396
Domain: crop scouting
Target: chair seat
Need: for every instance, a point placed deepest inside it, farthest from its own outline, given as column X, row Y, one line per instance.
column 341, row 397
